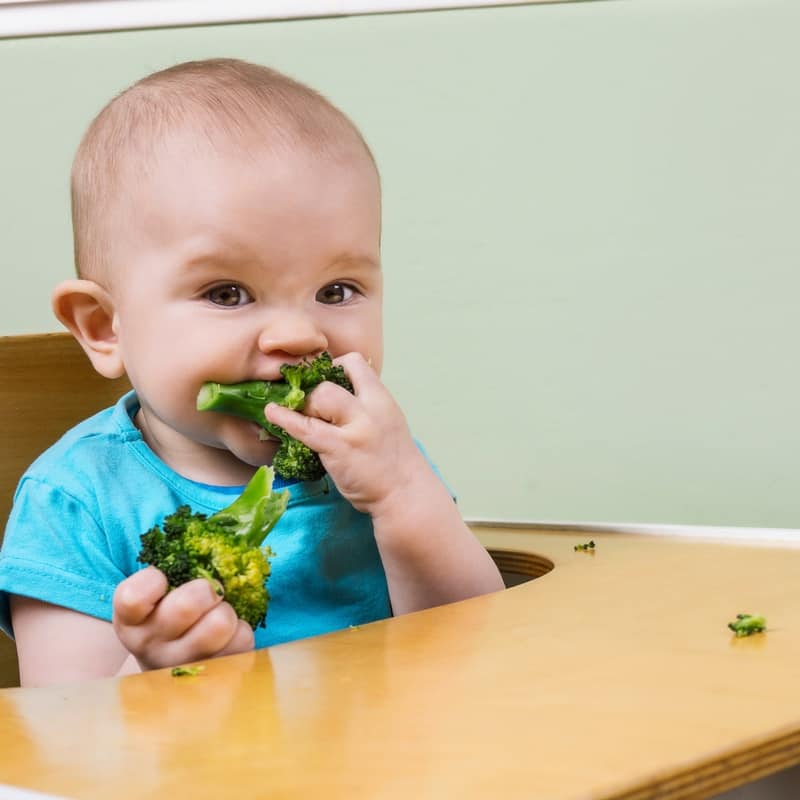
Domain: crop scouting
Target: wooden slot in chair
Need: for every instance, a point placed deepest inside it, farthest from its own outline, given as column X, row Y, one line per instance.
column 47, row 385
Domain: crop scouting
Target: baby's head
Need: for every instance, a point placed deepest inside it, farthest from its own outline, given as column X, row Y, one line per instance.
column 227, row 220
column 226, row 105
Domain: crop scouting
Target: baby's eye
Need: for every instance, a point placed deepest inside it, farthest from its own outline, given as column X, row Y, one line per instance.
column 335, row 293
column 229, row 295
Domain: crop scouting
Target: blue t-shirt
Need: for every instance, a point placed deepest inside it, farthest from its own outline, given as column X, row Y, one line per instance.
column 82, row 506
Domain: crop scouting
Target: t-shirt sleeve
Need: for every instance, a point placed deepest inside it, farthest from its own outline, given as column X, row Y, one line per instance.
column 55, row 551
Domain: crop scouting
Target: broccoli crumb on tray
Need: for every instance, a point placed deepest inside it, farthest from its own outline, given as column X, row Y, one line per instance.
column 586, row 547
column 293, row 459
column 180, row 672
column 747, row 625
column 225, row 548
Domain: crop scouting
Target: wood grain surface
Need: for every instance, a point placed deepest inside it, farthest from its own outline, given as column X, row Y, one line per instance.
column 611, row 676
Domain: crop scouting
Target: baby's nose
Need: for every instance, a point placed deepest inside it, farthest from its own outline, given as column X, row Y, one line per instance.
column 293, row 333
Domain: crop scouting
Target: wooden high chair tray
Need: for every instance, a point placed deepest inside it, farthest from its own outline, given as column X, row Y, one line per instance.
column 611, row 676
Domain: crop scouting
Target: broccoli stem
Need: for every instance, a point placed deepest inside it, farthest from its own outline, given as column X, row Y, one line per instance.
column 256, row 511
column 247, row 399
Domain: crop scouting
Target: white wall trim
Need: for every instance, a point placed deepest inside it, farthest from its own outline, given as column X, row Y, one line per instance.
column 766, row 537
column 49, row 17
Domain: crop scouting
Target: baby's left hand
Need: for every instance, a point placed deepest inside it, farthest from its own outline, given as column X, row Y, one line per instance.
column 362, row 438
column 429, row 555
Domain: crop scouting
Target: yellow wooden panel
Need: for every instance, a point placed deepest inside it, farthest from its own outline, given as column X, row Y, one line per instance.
column 48, row 385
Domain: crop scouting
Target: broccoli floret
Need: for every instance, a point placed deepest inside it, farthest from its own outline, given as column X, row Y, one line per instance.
column 225, row 548
column 293, row 459
column 308, row 374
column 747, row 624
column 586, row 546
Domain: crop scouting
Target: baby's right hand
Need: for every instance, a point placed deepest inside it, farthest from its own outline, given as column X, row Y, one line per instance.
column 188, row 624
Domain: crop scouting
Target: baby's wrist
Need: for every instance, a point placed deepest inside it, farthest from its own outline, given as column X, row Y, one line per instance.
column 421, row 497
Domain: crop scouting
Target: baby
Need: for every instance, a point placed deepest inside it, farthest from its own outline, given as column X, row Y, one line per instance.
column 227, row 220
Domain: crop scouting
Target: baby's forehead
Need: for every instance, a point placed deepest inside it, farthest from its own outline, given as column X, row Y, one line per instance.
column 220, row 107
column 203, row 140
column 190, row 178
column 223, row 165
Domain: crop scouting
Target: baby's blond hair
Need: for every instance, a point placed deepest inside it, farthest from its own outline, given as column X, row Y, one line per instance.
column 221, row 100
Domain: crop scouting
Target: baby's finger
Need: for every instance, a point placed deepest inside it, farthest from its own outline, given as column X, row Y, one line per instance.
column 359, row 371
column 137, row 596
column 211, row 635
column 243, row 640
column 332, row 404
column 315, row 432
column 182, row 608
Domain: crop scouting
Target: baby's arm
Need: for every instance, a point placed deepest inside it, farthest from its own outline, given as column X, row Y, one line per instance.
column 149, row 630
column 429, row 554
column 59, row 645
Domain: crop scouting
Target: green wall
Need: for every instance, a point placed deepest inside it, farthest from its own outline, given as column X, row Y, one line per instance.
column 591, row 239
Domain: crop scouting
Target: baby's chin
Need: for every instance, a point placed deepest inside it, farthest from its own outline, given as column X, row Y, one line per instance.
column 253, row 450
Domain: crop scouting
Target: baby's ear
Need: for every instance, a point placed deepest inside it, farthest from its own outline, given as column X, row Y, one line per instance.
column 88, row 311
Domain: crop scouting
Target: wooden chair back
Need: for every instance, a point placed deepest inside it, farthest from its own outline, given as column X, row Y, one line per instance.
column 47, row 385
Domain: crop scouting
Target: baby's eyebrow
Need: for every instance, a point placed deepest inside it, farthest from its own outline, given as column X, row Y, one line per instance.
column 357, row 260
column 212, row 256
column 207, row 252
column 211, row 253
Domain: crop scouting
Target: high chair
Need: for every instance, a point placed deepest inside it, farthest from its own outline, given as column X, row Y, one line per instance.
column 47, row 385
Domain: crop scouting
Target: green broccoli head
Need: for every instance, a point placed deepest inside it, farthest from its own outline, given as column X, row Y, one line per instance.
column 296, row 460
column 162, row 548
column 225, row 548
column 293, row 459
column 308, row 374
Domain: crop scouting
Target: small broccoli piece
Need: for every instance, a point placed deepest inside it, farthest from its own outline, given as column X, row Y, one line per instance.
column 308, row 374
column 587, row 546
column 225, row 548
column 747, row 625
column 293, row 459
column 178, row 672
column 296, row 460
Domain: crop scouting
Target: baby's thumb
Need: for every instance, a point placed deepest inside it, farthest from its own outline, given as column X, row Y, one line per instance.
column 137, row 596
